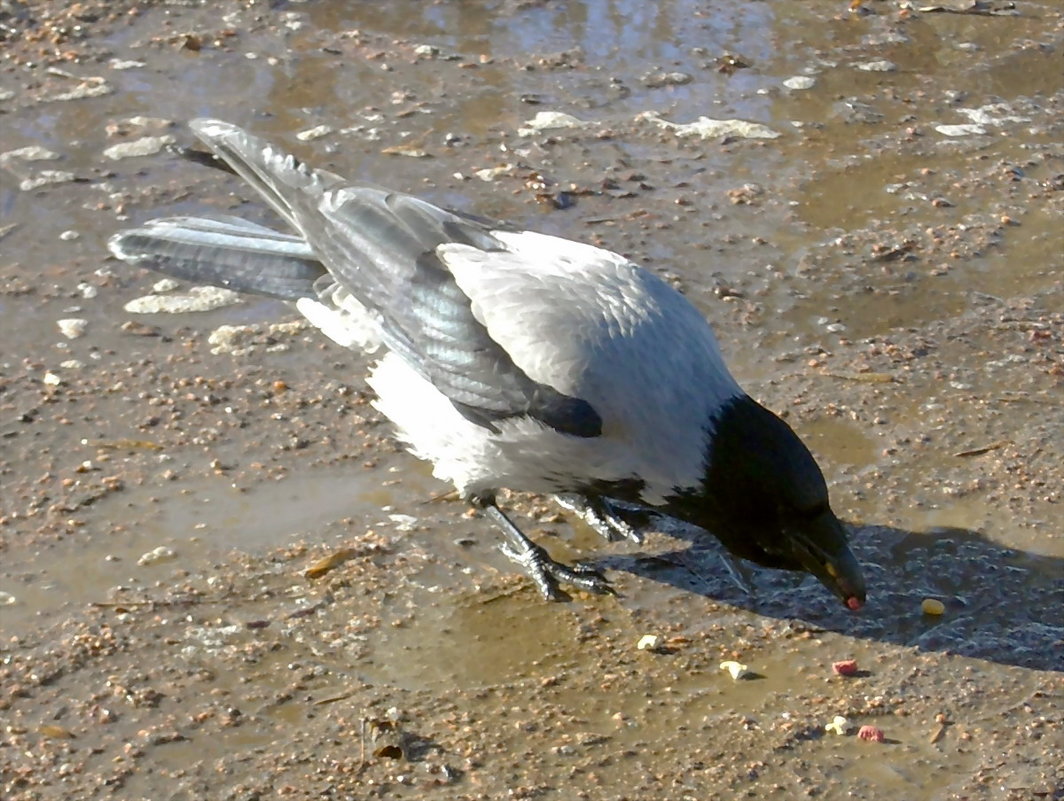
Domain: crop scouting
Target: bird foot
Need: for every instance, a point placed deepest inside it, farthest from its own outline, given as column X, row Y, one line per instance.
column 546, row 573
column 603, row 516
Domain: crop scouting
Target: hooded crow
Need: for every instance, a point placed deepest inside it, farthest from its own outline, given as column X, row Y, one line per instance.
column 512, row 359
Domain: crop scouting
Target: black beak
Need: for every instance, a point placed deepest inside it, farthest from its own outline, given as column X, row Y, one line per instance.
column 822, row 549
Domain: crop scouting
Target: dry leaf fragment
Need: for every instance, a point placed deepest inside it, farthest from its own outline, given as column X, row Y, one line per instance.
column 411, row 151
column 55, row 732
column 984, row 449
column 327, row 563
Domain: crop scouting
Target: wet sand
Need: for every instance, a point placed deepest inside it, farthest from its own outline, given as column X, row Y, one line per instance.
column 876, row 235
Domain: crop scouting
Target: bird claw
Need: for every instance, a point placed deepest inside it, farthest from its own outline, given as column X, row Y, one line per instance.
column 546, row 573
column 603, row 516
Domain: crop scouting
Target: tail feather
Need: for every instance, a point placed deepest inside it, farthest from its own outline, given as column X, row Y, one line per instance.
column 230, row 253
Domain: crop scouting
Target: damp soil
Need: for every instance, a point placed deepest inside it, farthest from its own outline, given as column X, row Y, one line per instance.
column 219, row 577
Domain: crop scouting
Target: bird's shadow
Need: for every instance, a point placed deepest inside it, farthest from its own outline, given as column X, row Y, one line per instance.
column 1001, row 604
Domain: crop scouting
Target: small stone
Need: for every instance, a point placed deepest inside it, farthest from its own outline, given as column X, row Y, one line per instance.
column 800, row 82
column 426, row 51
column 138, row 124
column 879, row 65
column 708, row 128
column 90, row 87
column 52, row 380
column 164, row 285
column 145, row 146
column 157, row 556
column 7, row 599
column 403, row 522
column 658, row 79
column 46, row 177
column 197, row 299
column 317, row 132
column 72, row 327
column 545, row 120
column 489, row 174
column 964, row 129
column 69, row 236
column 29, row 153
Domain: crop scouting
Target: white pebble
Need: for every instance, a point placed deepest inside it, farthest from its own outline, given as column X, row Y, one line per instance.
column 403, row 522
column 7, row 599
column 30, row 153
column 52, row 380
column 164, row 285
column 964, row 129
column 880, row 65
column 800, row 82
column 72, row 327
column 198, row 298
column 156, row 556
column 69, row 236
column 145, row 146
column 316, row 132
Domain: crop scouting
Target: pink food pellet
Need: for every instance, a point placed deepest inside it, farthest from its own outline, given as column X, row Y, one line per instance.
column 847, row 667
column 873, row 733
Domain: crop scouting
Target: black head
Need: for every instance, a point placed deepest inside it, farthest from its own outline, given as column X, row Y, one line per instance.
column 765, row 498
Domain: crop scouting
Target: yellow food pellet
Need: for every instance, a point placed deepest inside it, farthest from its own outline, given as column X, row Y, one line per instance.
column 735, row 669
column 932, row 606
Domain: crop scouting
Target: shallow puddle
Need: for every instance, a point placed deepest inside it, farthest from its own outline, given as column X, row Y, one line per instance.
column 887, row 280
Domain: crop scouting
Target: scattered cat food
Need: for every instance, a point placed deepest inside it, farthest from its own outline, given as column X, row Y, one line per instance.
column 872, row 733
column 932, row 606
column 839, row 725
column 847, row 667
column 735, row 669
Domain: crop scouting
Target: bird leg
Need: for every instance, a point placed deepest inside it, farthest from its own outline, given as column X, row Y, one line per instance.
column 544, row 571
column 613, row 520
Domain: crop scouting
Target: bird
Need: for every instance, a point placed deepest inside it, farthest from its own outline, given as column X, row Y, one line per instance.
column 517, row 360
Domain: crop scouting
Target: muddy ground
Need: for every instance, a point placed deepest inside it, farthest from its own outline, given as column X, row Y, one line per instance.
column 881, row 255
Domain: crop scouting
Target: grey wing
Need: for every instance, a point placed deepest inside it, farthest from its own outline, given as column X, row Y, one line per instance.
column 383, row 246
column 380, row 246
